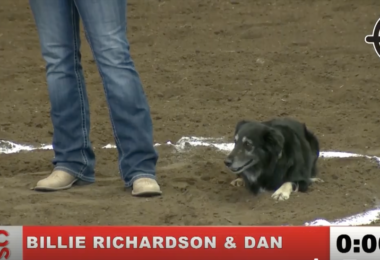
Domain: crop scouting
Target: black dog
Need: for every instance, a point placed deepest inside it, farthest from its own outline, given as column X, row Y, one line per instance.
column 278, row 155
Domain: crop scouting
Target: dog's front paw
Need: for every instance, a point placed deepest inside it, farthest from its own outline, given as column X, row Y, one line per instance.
column 317, row 180
column 239, row 182
column 280, row 195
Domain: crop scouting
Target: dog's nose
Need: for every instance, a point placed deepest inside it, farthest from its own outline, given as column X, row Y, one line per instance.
column 228, row 162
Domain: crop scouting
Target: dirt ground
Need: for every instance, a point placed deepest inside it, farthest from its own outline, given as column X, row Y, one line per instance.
column 205, row 65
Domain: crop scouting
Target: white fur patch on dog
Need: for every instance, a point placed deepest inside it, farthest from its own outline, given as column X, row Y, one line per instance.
column 283, row 193
column 316, row 180
column 239, row 182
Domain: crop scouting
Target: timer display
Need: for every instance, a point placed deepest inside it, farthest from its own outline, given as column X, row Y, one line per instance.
column 355, row 243
column 369, row 244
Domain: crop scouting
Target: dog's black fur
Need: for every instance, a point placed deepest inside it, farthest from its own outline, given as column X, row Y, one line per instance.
column 284, row 151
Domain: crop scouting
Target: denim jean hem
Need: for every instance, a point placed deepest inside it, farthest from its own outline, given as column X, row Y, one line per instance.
column 139, row 176
column 76, row 174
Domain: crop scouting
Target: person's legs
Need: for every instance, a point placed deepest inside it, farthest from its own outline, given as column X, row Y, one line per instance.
column 58, row 29
column 105, row 26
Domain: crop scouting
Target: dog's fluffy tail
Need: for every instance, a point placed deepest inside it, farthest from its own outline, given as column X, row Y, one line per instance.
column 314, row 146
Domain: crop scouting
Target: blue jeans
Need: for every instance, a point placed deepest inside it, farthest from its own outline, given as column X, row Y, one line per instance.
column 105, row 26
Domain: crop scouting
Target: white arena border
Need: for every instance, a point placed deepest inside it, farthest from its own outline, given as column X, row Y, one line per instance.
column 7, row 147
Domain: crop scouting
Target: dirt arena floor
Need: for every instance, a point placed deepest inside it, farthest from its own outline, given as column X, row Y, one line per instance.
column 205, row 65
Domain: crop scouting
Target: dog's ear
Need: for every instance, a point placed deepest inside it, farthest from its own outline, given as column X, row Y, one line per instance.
column 276, row 141
column 239, row 125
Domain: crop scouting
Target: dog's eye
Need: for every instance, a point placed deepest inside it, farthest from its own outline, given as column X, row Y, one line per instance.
column 248, row 146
